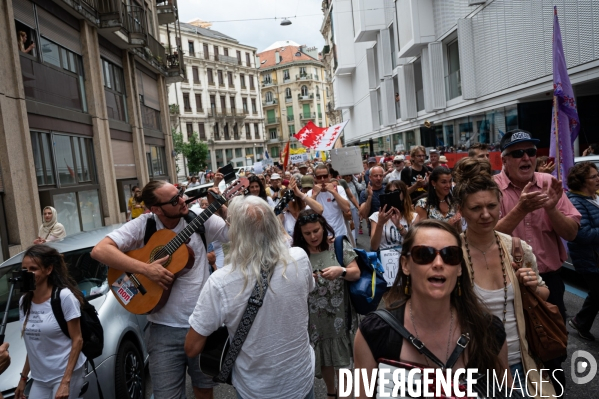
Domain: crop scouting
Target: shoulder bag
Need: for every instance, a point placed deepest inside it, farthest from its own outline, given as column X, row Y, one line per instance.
column 545, row 329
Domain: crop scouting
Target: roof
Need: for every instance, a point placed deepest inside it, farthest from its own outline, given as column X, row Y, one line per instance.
column 206, row 32
column 288, row 55
column 281, row 43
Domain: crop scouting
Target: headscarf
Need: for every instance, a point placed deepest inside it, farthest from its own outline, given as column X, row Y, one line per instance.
column 51, row 227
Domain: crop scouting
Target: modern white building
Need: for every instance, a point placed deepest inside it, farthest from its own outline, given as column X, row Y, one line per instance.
column 473, row 69
column 219, row 99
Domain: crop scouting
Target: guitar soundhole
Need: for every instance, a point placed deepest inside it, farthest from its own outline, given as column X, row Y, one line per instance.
column 153, row 256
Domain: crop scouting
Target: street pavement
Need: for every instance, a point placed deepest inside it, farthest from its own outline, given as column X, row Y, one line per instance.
column 573, row 298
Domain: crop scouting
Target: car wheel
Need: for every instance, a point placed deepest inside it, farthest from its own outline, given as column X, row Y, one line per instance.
column 129, row 372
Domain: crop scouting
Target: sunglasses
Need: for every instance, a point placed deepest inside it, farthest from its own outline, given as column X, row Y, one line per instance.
column 321, row 177
column 424, row 255
column 531, row 152
column 308, row 219
column 173, row 201
column 397, row 162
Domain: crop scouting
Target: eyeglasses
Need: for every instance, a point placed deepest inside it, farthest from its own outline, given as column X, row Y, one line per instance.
column 531, row 152
column 423, row 255
column 595, row 177
column 313, row 217
column 397, row 162
column 321, row 177
column 173, row 201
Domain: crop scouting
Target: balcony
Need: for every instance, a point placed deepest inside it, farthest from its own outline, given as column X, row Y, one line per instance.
column 306, row 76
column 166, row 12
column 127, row 22
column 270, row 103
column 272, row 121
column 307, row 97
column 150, row 118
column 275, row 140
column 308, row 116
column 266, row 83
column 453, row 85
column 211, row 112
column 290, row 118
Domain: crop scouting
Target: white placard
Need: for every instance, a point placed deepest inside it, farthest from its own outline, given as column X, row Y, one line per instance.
column 347, row 160
column 297, row 158
column 258, row 167
column 267, row 161
column 390, row 262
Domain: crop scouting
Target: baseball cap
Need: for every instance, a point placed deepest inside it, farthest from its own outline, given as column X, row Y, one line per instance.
column 516, row 136
column 372, row 159
column 275, row 176
column 307, row 181
column 302, row 165
column 399, row 158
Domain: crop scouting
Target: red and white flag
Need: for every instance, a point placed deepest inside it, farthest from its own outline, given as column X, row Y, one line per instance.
column 319, row 138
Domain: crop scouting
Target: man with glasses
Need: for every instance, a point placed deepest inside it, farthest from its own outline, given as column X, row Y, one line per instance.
column 398, row 165
column 169, row 325
column 332, row 197
column 536, row 209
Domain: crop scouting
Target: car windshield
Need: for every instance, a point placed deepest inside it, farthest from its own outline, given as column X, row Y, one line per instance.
column 89, row 274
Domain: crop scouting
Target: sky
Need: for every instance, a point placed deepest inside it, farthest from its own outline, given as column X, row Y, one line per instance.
column 305, row 29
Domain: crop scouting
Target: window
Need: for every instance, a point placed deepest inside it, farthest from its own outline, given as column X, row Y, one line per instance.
column 392, row 39
column 114, row 90
column 270, row 116
column 288, row 93
column 249, row 150
column 213, row 102
column 71, row 158
column 274, row 152
column 232, row 102
column 259, row 152
column 302, row 71
column 304, row 91
column 226, row 51
column 251, row 77
column 327, row 91
column 269, row 96
column 257, row 135
column 319, row 111
column 196, row 75
column 237, row 152
column 272, row 133
column 216, row 134
column 254, row 109
column 244, row 102
column 267, row 79
column 230, row 79
column 215, row 53
column 248, row 134
column 306, row 111
column 199, row 106
column 210, row 76
column 286, row 74
column 78, row 210
column 186, row 103
column 291, row 130
column 238, row 57
column 228, row 153
column 156, row 159
column 223, row 104
column 289, row 114
column 247, row 59
column 453, row 83
column 189, row 127
column 221, row 81
column 192, row 52
column 202, row 131
column 206, row 52
column 242, row 80
column 418, row 84
column 317, row 90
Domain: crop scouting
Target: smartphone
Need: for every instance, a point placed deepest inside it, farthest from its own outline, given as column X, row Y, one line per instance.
column 551, row 160
column 391, row 199
column 228, row 172
column 24, row 280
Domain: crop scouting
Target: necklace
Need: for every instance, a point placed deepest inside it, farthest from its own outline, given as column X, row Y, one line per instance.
column 502, row 269
column 448, row 338
column 483, row 252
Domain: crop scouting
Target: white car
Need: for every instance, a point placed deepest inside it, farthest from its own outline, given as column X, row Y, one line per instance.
column 121, row 367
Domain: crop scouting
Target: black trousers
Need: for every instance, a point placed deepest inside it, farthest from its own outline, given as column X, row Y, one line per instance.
column 590, row 308
column 556, row 297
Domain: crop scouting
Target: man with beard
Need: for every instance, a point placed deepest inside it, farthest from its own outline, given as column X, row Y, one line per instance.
column 166, row 335
column 398, row 165
column 136, row 205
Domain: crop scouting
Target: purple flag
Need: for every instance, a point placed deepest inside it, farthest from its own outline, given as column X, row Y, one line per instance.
column 567, row 124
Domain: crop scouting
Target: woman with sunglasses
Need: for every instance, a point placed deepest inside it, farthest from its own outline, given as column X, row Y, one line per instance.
column 257, row 188
column 439, row 204
column 389, row 226
column 488, row 255
column 432, row 299
column 332, row 319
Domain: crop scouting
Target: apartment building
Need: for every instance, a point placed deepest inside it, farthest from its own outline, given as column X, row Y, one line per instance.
column 328, row 60
column 219, row 99
column 294, row 91
column 456, row 72
column 83, row 111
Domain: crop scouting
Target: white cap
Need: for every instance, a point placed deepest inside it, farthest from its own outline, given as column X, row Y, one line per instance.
column 275, row 176
column 399, row 158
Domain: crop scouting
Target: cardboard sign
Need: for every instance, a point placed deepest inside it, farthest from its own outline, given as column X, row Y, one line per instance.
column 258, row 167
column 347, row 160
column 298, row 158
column 390, row 262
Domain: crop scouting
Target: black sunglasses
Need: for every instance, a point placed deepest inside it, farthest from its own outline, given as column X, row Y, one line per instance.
column 531, row 152
column 423, row 255
column 397, row 162
column 173, row 201
column 308, row 219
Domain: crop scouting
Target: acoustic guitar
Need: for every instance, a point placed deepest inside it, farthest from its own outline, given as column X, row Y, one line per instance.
column 136, row 292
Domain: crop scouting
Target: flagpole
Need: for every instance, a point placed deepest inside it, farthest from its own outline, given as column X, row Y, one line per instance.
column 555, row 121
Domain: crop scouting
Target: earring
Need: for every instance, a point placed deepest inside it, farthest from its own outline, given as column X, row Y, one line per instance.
column 459, row 288
column 407, row 287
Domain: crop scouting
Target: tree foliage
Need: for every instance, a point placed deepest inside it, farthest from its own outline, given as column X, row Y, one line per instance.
column 193, row 150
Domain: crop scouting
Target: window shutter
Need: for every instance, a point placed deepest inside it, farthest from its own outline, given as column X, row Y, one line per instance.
column 124, row 159
column 23, row 10
column 111, row 56
column 150, row 86
column 57, row 31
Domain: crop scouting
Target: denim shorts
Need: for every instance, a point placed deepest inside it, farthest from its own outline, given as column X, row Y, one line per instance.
column 521, row 380
column 168, row 363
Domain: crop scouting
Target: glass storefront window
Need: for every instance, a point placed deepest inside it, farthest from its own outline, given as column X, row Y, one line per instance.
column 410, row 140
column 511, row 117
column 78, row 211
column 89, row 205
column 67, row 212
column 64, row 160
column 448, row 131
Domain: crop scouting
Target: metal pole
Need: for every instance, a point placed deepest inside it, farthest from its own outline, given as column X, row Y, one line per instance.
column 557, row 154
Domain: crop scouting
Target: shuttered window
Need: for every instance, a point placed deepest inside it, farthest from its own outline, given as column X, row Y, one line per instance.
column 124, row 159
column 57, row 31
column 111, row 56
column 23, row 10
column 150, row 91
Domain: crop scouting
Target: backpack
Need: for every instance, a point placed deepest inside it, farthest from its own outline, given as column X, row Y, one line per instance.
column 366, row 292
column 91, row 329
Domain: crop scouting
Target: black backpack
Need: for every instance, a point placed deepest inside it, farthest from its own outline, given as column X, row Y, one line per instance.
column 91, row 329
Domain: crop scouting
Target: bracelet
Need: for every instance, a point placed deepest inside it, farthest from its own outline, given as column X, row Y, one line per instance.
column 23, row 377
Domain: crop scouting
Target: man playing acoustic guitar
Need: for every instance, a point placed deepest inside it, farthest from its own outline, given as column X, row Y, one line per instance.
column 169, row 324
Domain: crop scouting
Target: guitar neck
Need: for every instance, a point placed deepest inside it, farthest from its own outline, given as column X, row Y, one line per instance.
column 192, row 227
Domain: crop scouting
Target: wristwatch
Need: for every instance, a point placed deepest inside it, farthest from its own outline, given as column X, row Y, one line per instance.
column 344, row 272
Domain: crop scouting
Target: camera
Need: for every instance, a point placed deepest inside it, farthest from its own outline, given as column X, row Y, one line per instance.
column 23, row 280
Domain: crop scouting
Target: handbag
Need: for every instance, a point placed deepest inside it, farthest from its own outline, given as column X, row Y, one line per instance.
column 545, row 329
column 481, row 387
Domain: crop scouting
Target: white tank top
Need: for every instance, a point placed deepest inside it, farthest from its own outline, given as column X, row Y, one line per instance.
column 494, row 300
column 289, row 223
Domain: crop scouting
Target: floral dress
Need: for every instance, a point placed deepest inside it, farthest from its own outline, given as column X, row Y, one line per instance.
column 435, row 213
column 331, row 312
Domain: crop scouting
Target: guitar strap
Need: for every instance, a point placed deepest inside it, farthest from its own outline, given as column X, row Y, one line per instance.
column 243, row 329
column 151, row 228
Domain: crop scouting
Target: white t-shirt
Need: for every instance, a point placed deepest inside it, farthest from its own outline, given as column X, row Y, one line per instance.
column 390, row 237
column 186, row 288
column 276, row 360
column 332, row 213
column 395, row 175
column 48, row 348
column 289, row 223
column 217, row 247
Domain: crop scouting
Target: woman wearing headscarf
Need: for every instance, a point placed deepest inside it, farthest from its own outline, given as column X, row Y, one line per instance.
column 50, row 230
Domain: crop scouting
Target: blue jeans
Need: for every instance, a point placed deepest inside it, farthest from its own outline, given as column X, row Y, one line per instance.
column 310, row 395
column 168, row 363
column 520, row 381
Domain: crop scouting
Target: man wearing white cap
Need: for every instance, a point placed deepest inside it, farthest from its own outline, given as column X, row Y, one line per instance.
column 275, row 187
column 398, row 164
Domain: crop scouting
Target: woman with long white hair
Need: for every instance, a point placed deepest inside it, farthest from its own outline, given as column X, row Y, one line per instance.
column 50, row 230
column 276, row 359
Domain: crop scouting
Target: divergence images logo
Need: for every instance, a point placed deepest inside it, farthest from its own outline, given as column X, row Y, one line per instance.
column 589, row 364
